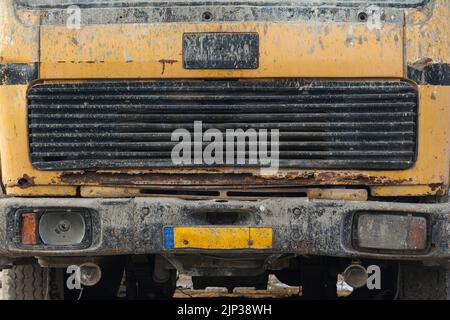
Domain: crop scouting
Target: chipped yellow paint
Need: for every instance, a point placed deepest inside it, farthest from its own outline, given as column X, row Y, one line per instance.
column 311, row 193
column 222, row 237
column 405, row 191
column 338, row 194
column 286, row 50
column 43, row 191
column 109, row 192
column 427, row 34
column 19, row 36
column 14, row 141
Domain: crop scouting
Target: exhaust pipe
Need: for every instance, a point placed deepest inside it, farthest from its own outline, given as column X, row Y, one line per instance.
column 355, row 275
column 90, row 274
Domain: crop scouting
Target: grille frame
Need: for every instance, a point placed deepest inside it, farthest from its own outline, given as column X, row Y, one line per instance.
column 124, row 164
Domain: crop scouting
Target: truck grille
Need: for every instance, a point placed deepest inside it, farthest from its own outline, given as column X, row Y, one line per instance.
column 124, row 124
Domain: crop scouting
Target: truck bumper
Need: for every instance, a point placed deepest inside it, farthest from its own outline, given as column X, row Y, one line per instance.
column 298, row 226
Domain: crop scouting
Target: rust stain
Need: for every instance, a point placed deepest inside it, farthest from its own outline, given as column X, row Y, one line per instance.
column 422, row 63
column 223, row 179
column 75, row 41
column 439, row 188
column 26, row 181
column 338, row 177
column 164, row 61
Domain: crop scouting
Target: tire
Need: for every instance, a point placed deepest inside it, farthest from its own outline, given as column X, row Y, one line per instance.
column 31, row 282
column 419, row 282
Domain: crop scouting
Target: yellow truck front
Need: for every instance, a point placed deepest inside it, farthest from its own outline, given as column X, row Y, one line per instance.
column 226, row 140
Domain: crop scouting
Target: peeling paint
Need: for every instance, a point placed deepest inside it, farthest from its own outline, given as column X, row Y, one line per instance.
column 422, row 41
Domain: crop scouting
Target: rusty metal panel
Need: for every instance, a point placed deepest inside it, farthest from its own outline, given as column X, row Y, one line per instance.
column 134, row 225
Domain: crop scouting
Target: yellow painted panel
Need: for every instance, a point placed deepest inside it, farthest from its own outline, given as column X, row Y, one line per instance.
column 109, row 192
column 406, row 191
column 261, row 238
column 15, row 157
column 222, row 237
column 294, row 49
column 19, row 35
column 43, row 191
column 427, row 35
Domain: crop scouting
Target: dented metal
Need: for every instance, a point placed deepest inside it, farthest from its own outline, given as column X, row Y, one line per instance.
column 135, row 226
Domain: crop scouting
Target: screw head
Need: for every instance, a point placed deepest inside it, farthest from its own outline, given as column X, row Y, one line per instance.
column 64, row 226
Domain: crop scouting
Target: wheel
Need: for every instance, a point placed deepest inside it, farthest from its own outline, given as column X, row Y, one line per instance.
column 419, row 282
column 31, row 282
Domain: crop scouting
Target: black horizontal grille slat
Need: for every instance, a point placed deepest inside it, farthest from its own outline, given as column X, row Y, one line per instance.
column 240, row 97
column 236, row 86
column 165, row 136
column 169, row 127
column 322, row 124
column 170, row 145
column 218, row 118
column 138, row 163
column 163, row 154
column 224, row 108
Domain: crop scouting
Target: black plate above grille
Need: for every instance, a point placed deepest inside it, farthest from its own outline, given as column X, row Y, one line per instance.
column 125, row 124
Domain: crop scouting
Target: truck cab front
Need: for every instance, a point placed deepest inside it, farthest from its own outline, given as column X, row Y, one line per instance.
column 226, row 141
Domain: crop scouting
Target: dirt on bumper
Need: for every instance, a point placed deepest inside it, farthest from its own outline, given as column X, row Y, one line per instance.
column 300, row 226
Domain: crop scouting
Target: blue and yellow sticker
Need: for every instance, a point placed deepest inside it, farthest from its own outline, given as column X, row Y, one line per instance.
column 168, row 237
column 218, row 238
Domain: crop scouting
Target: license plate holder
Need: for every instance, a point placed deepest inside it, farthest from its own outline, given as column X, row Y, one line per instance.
column 220, row 50
column 217, row 238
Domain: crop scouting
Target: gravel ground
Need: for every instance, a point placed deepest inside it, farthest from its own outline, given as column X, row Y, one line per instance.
column 275, row 289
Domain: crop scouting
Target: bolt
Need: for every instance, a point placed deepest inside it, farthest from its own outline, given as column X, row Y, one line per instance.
column 64, row 225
